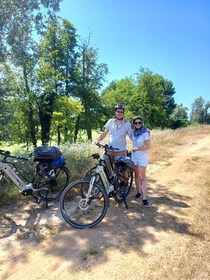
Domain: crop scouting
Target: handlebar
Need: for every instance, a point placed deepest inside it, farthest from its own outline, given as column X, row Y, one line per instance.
column 7, row 154
column 107, row 147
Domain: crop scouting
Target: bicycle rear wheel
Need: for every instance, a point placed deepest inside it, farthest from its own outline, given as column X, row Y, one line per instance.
column 80, row 212
column 50, row 185
column 126, row 185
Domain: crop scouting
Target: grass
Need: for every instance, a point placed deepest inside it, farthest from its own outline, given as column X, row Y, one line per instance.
column 163, row 145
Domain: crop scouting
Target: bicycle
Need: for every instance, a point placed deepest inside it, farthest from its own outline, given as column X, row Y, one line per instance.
column 47, row 183
column 84, row 202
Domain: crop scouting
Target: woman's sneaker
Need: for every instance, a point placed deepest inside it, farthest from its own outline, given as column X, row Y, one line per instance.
column 138, row 195
column 146, row 203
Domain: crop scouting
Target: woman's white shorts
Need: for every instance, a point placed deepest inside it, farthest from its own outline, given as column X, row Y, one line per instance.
column 140, row 161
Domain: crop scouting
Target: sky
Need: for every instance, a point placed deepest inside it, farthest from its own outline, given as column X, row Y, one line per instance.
column 169, row 38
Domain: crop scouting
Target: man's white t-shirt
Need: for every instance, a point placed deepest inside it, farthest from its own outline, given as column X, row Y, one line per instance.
column 117, row 135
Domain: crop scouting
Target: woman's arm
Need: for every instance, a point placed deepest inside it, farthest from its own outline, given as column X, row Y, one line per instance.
column 146, row 146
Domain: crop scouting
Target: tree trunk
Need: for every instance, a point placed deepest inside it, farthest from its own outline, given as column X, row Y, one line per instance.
column 31, row 124
column 46, row 108
column 59, row 134
column 76, row 129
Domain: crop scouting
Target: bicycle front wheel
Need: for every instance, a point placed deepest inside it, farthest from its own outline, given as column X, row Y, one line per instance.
column 50, row 186
column 82, row 212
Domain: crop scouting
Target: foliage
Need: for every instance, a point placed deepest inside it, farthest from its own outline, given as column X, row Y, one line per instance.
column 64, row 117
column 149, row 95
column 119, row 92
column 153, row 99
column 8, row 82
column 89, row 77
column 200, row 112
column 19, row 22
column 179, row 117
column 50, row 83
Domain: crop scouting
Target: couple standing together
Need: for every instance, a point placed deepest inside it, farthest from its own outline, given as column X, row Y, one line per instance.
column 118, row 128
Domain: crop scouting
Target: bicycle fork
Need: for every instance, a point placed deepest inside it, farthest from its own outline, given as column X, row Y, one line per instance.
column 88, row 195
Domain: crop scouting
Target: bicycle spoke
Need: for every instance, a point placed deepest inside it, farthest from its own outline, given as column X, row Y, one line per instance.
column 80, row 211
column 50, row 187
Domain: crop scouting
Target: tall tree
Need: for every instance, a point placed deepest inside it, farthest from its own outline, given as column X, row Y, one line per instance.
column 64, row 118
column 90, row 75
column 8, row 83
column 179, row 117
column 153, row 99
column 19, row 22
column 119, row 92
column 149, row 95
column 199, row 112
column 55, row 75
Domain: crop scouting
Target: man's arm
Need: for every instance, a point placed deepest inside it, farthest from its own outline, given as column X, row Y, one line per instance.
column 102, row 136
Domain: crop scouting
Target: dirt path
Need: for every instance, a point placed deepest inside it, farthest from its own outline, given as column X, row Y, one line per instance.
column 37, row 244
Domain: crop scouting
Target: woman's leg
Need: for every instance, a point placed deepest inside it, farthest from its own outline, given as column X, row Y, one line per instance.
column 138, row 179
column 142, row 171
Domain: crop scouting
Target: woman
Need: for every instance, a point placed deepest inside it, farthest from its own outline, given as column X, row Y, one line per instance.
column 141, row 143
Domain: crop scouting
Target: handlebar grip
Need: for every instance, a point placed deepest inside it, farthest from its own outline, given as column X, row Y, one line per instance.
column 107, row 147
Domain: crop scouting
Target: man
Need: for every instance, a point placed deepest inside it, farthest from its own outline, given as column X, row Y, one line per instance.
column 118, row 128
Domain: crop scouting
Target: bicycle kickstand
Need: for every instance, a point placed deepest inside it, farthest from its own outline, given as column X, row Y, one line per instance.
column 126, row 205
column 46, row 199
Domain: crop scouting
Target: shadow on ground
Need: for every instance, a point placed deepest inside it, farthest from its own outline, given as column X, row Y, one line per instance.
column 121, row 229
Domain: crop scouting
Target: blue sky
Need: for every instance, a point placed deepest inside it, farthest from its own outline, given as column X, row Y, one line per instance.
column 170, row 38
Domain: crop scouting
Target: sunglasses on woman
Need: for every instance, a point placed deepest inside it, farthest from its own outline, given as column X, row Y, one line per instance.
column 138, row 123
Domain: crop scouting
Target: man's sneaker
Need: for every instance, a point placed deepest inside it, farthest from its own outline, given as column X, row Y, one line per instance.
column 146, row 203
column 138, row 195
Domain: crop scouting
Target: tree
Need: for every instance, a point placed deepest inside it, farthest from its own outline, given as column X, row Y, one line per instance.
column 179, row 117
column 55, row 73
column 64, row 118
column 153, row 99
column 119, row 92
column 90, row 75
column 18, row 22
column 199, row 112
column 149, row 95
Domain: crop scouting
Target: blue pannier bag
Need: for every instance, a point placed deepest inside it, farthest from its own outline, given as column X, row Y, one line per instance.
column 58, row 162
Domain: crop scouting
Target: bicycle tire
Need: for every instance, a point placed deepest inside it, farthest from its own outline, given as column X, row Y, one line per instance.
column 54, row 185
column 78, row 214
column 118, row 198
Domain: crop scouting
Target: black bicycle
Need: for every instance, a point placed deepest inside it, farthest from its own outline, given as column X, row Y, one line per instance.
column 84, row 202
column 50, row 177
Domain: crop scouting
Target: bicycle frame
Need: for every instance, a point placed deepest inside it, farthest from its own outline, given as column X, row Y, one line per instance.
column 105, row 183
column 104, row 178
column 25, row 189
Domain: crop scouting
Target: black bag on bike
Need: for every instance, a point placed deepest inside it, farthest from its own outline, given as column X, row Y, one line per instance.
column 124, row 161
column 46, row 153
